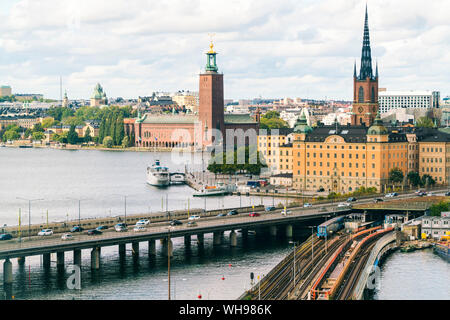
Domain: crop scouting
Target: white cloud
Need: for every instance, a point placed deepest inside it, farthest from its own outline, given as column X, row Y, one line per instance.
column 268, row 48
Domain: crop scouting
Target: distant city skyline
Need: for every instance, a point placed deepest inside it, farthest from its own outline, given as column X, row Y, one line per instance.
column 266, row 49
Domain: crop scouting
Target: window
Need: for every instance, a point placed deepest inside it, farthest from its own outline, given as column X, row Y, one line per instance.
column 361, row 95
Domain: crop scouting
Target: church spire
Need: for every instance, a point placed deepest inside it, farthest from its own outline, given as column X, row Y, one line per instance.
column 354, row 70
column 366, row 57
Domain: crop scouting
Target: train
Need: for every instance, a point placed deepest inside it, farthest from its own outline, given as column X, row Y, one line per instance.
column 332, row 225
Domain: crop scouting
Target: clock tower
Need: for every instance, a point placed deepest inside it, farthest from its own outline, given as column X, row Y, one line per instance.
column 365, row 86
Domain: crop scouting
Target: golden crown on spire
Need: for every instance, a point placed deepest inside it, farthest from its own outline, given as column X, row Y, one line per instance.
column 211, row 46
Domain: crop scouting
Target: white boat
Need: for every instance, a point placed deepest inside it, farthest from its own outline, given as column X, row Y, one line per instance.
column 177, row 178
column 158, row 175
column 219, row 190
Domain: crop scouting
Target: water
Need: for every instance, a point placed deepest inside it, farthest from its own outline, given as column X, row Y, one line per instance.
column 102, row 177
column 418, row 275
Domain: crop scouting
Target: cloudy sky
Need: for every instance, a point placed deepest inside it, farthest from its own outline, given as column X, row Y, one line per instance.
column 267, row 48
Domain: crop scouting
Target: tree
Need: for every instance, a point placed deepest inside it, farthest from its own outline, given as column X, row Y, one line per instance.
column 38, row 135
column 108, row 142
column 87, row 135
column 437, row 208
column 428, row 180
column 120, row 130
column 271, row 115
column 125, row 142
column 48, row 122
column 396, row 175
column 424, row 122
column 38, row 128
column 72, row 136
column 273, row 123
column 414, row 179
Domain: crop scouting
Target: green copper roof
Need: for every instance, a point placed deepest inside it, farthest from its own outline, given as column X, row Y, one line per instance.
column 238, row 118
column 98, row 92
column 377, row 128
column 301, row 126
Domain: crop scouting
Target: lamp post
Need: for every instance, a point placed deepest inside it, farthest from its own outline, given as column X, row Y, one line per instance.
column 312, row 242
column 29, row 212
column 294, row 243
column 79, row 208
column 125, row 205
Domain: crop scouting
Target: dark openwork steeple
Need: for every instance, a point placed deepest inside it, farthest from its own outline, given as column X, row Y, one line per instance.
column 366, row 57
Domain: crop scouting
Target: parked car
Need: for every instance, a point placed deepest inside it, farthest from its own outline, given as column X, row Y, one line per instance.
column 307, row 205
column 270, row 208
column 192, row 224
column 176, row 223
column 94, row 232
column 194, row 217
column 77, row 229
column 351, row 199
column 254, row 214
column 286, row 212
column 100, row 228
column 143, row 222
column 139, row 228
column 67, row 236
column 232, row 213
column 6, row 236
column 45, row 232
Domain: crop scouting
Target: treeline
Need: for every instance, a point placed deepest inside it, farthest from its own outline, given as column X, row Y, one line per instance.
column 218, row 164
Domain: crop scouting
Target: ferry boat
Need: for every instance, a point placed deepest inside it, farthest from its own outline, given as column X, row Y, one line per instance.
column 219, row 190
column 158, row 175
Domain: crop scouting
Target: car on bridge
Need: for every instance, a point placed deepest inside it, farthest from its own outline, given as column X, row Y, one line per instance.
column 232, row 213
column 286, row 212
column 45, row 232
column 143, row 222
column 121, row 227
column 351, row 199
column 221, row 214
column 100, row 228
column 176, row 223
column 191, row 224
column 5, row 236
column 94, row 232
column 139, row 228
column 67, row 236
column 307, row 205
column 344, row 205
column 391, row 195
column 76, row 229
column 378, row 200
column 447, row 194
column 270, row 208
column 195, row 217
column 254, row 214
column 422, row 194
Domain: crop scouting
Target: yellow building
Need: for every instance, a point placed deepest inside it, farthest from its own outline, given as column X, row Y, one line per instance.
column 275, row 146
column 343, row 159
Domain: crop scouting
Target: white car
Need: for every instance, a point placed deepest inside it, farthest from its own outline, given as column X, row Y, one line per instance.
column 143, row 222
column 45, row 232
column 307, row 205
column 67, row 236
column 344, row 205
column 194, row 217
column 139, row 228
column 286, row 212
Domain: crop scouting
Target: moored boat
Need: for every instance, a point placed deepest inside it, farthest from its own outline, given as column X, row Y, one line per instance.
column 158, row 175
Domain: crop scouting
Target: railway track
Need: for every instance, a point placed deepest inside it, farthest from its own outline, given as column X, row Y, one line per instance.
column 354, row 272
column 277, row 284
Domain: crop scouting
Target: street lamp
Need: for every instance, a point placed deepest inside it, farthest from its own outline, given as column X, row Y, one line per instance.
column 79, row 209
column 294, row 243
column 312, row 242
column 29, row 212
column 125, row 204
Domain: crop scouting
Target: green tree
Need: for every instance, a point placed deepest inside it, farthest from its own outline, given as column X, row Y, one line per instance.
column 414, row 178
column 428, row 180
column 108, row 142
column 72, row 136
column 424, row 122
column 87, row 135
column 120, row 130
column 273, row 123
column 271, row 115
column 38, row 135
column 38, row 127
column 437, row 208
column 396, row 175
column 48, row 122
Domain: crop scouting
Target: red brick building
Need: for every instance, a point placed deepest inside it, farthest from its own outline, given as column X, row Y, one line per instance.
column 208, row 127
